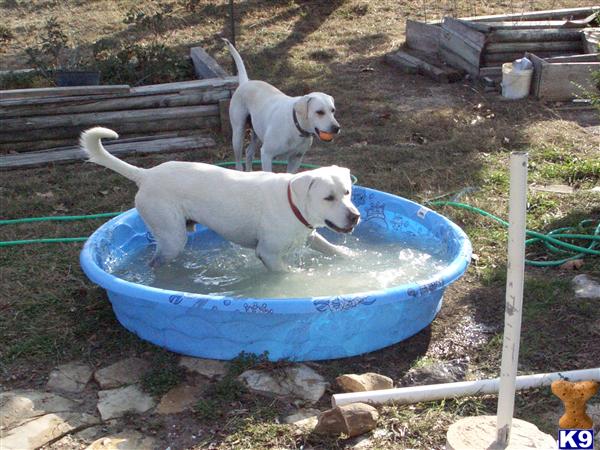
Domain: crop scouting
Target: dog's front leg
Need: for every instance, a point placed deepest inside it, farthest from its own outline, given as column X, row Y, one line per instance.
column 266, row 161
column 320, row 244
column 271, row 258
column 294, row 162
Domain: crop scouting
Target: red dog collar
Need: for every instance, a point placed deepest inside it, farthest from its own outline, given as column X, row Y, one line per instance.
column 295, row 210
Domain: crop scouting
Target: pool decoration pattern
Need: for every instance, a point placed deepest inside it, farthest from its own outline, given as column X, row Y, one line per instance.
column 298, row 329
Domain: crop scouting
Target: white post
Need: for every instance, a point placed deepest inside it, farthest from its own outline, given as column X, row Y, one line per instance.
column 517, row 214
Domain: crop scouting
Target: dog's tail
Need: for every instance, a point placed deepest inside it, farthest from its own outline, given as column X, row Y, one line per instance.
column 239, row 64
column 90, row 143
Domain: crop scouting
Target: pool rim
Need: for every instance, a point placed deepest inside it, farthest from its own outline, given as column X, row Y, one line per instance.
column 439, row 281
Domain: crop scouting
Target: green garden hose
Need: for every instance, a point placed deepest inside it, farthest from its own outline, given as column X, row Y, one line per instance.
column 57, row 218
column 552, row 241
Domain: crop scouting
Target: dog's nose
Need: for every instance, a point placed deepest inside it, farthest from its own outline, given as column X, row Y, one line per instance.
column 335, row 129
column 353, row 217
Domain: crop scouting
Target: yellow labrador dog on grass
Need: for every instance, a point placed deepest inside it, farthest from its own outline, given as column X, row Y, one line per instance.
column 285, row 125
column 272, row 213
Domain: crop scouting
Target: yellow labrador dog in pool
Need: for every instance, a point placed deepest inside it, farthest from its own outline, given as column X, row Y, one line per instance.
column 285, row 125
column 272, row 213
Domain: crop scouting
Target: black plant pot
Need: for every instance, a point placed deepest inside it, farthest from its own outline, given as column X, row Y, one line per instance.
column 76, row 78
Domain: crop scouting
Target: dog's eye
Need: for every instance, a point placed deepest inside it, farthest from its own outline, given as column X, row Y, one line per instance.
column 329, row 198
column 332, row 110
column 347, row 193
column 320, row 112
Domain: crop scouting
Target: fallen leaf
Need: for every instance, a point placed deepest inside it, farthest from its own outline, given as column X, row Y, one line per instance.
column 48, row 194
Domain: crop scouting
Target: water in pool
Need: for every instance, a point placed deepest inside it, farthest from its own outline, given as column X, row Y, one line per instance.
column 221, row 268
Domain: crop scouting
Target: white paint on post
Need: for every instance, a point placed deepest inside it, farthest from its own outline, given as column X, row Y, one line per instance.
column 517, row 215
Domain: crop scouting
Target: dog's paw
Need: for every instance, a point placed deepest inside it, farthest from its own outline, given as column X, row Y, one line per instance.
column 345, row 252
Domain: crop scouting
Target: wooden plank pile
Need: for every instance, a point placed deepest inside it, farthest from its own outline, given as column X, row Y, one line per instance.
column 478, row 46
column 34, row 119
column 41, row 126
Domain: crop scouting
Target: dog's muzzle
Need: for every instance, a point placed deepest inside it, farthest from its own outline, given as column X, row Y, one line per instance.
column 352, row 219
column 327, row 136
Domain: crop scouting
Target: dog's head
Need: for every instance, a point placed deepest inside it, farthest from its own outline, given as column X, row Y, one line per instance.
column 316, row 112
column 324, row 197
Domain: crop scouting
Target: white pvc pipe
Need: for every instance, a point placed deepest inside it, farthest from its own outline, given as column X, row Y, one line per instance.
column 515, row 273
column 415, row 394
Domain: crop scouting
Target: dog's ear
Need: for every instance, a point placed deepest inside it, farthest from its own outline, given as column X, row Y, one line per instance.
column 301, row 107
column 301, row 184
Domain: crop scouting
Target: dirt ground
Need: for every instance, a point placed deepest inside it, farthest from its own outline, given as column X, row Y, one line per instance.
column 402, row 134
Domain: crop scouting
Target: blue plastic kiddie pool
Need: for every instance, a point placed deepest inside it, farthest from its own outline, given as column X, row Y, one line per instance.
column 299, row 329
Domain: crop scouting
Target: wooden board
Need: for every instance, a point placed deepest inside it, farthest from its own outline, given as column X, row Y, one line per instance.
column 63, row 91
column 460, row 46
column 72, row 154
column 586, row 57
column 552, row 46
column 497, row 59
column 69, row 141
column 591, row 40
column 210, row 83
column 477, row 38
column 413, row 63
column 109, row 118
column 89, row 104
column 527, row 25
column 561, row 81
column 540, row 35
column 423, row 37
column 456, row 61
column 495, row 72
column 537, row 15
column 204, row 65
column 148, row 127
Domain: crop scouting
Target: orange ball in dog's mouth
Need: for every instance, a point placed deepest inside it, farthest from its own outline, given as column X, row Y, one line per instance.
column 326, row 136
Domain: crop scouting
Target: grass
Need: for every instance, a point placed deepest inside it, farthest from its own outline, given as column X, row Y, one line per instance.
column 402, row 134
column 164, row 375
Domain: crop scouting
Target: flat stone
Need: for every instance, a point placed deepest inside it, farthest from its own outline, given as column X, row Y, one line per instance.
column 435, row 373
column 117, row 402
column 40, row 431
column 70, row 377
column 126, row 440
column 352, row 420
column 301, row 414
column 554, row 188
column 586, row 287
column 366, row 382
column 90, row 434
column 304, row 420
column 475, row 433
column 18, row 406
column 362, row 442
column 179, row 399
column 297, row 381
column 210, row 368
column 126, row 371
